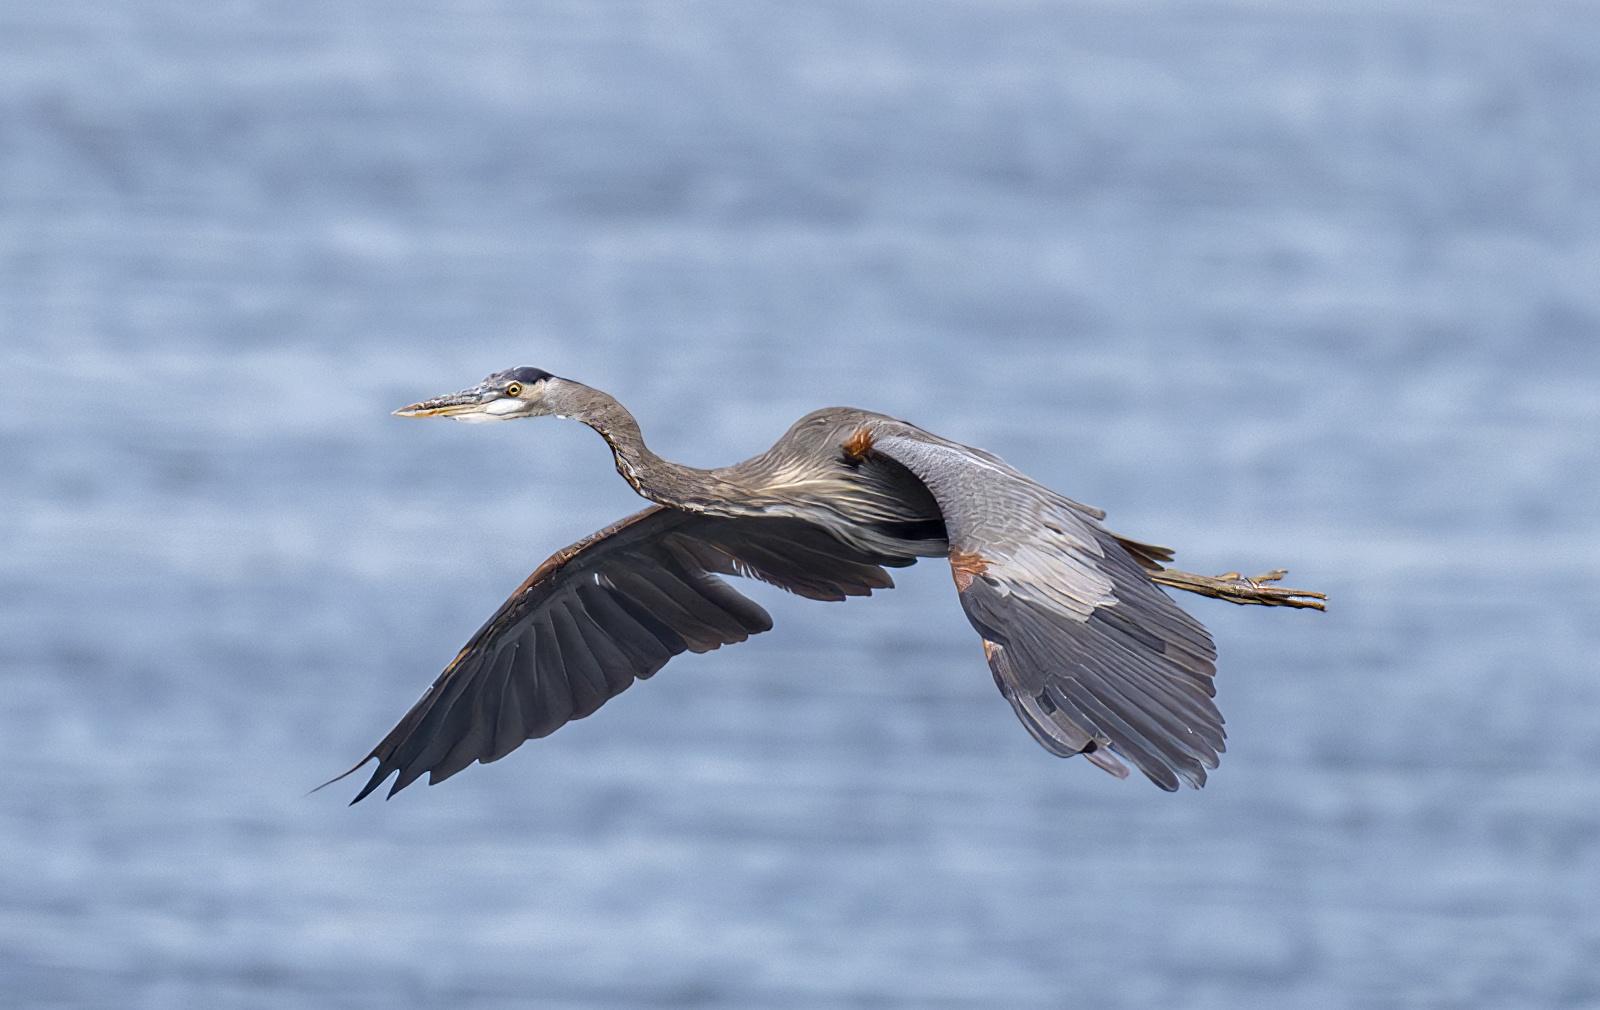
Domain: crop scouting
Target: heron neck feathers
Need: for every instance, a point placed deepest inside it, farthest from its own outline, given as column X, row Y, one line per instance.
column 657, row 479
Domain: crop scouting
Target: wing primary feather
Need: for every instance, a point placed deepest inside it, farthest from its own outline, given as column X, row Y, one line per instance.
column 458, row 730
column 751, row 617
column 1103, row 757
column 641, row 591
column 1067, row 650
column 1172, row 703
column 478, row 742
column 1124, row 738
column 643, row 646
column 552, row 696
column 1063, row 730
column 1171, row 746
column 615, row 667
column 431, row 712
column 508, row 734
column 625, row 588
column 680, row 588
column 1173, row 737
column 583, row 674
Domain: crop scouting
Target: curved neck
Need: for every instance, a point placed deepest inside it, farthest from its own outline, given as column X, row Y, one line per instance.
column 657, row 479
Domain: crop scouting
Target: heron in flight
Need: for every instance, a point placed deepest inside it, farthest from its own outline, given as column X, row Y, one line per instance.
column 1094, row 658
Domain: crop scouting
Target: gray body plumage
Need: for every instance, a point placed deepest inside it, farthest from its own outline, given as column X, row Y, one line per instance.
column 1091, row 654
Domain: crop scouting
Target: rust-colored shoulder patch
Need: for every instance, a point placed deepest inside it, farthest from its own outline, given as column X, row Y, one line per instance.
column 857, row 445
column 963, row 566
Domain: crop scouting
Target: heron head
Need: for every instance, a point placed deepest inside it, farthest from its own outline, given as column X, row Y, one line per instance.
column 515, row 392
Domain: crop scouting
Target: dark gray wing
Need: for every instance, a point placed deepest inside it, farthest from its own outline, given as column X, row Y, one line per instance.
column 1090, row 653
column 612, row 607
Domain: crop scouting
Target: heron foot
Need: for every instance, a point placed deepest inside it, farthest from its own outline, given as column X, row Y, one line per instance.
column 1236, row 588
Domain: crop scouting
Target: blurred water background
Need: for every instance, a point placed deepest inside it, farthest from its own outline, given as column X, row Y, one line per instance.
column 1282, row 282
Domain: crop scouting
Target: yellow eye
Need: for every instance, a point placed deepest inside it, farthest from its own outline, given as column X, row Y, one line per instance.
column 514, row 389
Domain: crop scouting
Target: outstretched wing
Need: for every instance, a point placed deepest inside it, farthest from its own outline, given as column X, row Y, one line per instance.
column 1090, row 653
column 614, row 606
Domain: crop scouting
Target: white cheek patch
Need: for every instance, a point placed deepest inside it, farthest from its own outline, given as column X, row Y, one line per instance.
column 494, row 410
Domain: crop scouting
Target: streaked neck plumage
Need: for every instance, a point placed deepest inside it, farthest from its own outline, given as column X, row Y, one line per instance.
column 657, row 479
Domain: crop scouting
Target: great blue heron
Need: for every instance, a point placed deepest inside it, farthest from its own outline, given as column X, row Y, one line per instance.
column 1092, row 656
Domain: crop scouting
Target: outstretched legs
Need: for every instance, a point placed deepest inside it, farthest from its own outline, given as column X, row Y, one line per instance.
column 1235, row 588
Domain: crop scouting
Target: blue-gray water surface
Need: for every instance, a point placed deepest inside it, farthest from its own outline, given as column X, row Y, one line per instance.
column 1302, row 284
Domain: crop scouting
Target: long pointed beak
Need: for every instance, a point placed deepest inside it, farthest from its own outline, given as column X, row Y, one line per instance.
column 466, row 401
